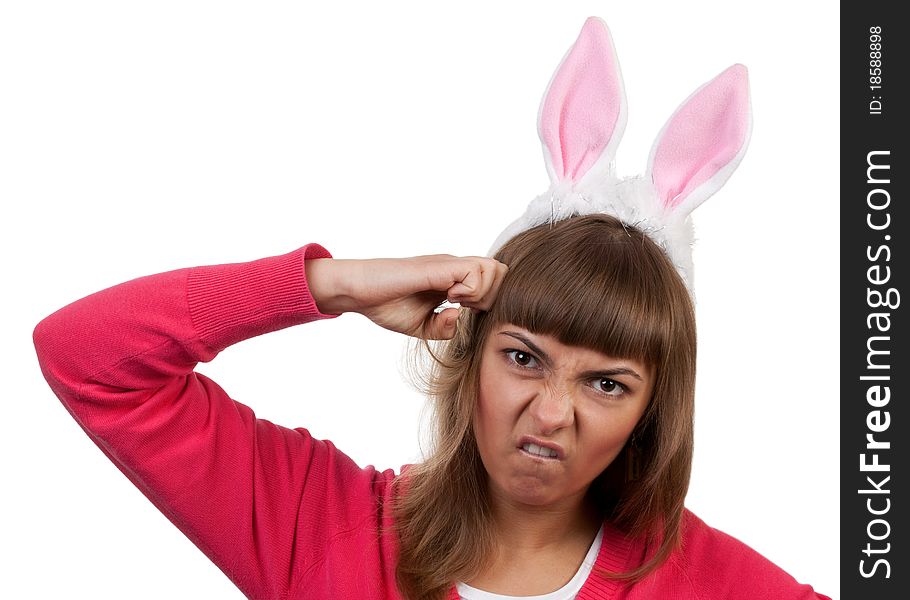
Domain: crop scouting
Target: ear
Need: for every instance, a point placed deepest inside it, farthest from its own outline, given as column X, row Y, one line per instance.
column 703, row 142
column 583, row 112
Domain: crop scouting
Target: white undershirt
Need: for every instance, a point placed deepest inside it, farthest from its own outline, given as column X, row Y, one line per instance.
column 566, row 592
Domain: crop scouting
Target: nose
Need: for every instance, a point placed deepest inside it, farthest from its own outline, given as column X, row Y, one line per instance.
column 553, row 408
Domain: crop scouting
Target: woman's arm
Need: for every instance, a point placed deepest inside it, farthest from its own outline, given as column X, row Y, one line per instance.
column 258, row 499
column 717, row 565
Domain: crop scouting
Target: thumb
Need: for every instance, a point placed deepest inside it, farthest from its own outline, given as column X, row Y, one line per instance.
column 443, row 324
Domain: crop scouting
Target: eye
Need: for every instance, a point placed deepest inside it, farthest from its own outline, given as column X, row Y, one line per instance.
column 605, row 386
column 610, row 387
column 521, row 358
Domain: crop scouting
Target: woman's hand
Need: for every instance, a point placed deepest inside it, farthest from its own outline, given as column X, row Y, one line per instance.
column 400, row 294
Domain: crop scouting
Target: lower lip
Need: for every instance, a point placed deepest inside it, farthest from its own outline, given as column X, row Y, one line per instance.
column 543, row 459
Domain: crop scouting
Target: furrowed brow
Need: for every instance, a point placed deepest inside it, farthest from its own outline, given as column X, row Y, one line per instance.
column 549, row 362
column 534, row 347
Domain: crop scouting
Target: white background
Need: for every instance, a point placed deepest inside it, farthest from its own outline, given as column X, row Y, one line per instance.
column 137, row 138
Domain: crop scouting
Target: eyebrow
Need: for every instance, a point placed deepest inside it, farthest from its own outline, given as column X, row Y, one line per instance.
column 549, row 362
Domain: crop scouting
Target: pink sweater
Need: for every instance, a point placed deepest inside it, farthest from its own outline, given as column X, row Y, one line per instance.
column 284, row 515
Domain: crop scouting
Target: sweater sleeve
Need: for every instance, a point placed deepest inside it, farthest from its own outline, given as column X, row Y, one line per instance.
column 720, row 566
column 260, row 500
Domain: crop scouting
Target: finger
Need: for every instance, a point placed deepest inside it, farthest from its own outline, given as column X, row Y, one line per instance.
column 485, row 300
column 493, row 274
column 488, row 270
column 469, row 280
column 443, row 325
column 499, row 275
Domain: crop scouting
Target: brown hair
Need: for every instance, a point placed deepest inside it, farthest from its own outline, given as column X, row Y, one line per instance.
column 588, row 281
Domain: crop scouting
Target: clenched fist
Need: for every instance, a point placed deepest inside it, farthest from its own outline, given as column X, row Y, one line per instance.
column 400, row 293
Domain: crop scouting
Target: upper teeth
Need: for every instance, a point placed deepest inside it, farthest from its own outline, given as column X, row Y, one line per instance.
column 539, row 450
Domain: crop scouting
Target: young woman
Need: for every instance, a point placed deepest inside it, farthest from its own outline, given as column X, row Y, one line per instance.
column 564, row 400
column 563, row 389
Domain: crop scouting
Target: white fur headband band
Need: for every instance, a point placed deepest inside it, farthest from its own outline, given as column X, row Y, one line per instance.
column 580, row 122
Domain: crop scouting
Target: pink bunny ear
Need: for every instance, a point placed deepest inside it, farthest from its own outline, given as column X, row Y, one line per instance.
column 583, row 112
column 703, row 142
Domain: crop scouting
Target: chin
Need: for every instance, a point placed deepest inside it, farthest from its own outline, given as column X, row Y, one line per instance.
column 532, row 493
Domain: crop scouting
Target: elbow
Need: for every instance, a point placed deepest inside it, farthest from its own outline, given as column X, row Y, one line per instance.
column 45, row 338
column 42, row 337
column 57, row 347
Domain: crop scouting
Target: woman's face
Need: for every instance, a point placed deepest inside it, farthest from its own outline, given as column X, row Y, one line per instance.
column 575, row 406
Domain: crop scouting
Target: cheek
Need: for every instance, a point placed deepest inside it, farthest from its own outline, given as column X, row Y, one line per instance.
column 495, row 412
column 488, row 431
column 609, row 448
column 606, row 435
column 479, row 422
column 486, row 414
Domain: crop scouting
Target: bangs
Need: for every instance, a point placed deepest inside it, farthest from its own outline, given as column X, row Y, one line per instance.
column 591, row 282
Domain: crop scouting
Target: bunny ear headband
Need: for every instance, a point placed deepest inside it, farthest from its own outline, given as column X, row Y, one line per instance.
column 580, row 123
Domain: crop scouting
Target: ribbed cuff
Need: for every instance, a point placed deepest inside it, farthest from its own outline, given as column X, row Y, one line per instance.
column 233, row 302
